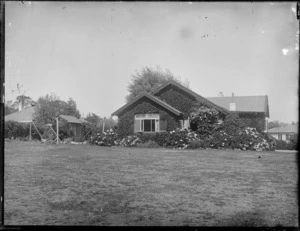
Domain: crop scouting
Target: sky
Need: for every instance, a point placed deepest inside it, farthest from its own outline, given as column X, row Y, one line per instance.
column 89, row 50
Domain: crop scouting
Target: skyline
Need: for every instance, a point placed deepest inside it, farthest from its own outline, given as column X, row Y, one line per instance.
column 89, row 50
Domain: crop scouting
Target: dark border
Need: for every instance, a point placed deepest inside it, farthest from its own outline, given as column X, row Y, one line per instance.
column 2, row 100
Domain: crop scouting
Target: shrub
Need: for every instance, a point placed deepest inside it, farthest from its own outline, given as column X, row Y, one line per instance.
column 14, row 129
column 240, row 138
column 234, row 133
column 108, row 138
column 204, row 120
column 181, row 138
column 129, row 141
column 287, row 145
column 111, row 138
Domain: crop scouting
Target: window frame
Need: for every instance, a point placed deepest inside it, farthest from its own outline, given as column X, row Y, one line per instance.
column 152, row 117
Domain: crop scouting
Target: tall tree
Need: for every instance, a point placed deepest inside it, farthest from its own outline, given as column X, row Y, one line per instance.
column 93, row 118
column 72, row 108
column 148, row 79
column 50, row 106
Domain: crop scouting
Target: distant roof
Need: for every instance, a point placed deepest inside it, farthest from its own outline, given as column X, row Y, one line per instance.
column 152, row 98
column 243, row 103
column 287, row 129
column 192, row 93
column 70, row 119
column 85, row 121
column 24, row 116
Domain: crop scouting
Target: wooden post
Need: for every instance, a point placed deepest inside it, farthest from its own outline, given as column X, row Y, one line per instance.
column 103, row 126
column 57, row 132
column 30, row 131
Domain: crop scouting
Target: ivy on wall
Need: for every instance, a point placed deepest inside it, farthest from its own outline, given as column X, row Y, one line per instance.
column 126, row 120
column 179, row 100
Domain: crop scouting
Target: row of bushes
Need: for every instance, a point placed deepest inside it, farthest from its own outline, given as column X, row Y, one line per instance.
column 248, row 139
column 232, row 133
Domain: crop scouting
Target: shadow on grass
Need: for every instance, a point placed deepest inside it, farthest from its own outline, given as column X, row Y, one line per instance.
column 249, row 219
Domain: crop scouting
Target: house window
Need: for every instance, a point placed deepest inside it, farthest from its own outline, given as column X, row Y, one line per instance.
column 146, row 123
column 279, row 136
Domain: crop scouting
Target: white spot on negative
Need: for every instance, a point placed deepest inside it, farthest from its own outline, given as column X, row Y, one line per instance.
column 9, row 24
column 285, row 51
column 190, row 3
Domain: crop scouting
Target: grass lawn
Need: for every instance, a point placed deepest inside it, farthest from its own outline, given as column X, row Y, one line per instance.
column 91, row 185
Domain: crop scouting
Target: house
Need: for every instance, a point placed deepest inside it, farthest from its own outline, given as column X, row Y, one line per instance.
column 284, row 133
column 169, row 107
column 255, row 108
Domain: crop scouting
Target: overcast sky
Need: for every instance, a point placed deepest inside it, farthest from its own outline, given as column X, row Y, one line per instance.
column 89, row 50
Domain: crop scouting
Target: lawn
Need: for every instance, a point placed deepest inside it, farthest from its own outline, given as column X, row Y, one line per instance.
column 92, row 185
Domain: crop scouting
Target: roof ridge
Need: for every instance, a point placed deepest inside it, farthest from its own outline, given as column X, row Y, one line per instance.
column 237, row 96
column 152, row 97
column 196, row 95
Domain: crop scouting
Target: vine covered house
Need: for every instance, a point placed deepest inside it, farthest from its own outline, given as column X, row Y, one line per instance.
column 170, row 105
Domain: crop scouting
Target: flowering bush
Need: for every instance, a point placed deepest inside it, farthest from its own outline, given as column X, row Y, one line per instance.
column 130, row 141
column 181, row 139
column 243, row 139
column 110, row 138
column 204, row 120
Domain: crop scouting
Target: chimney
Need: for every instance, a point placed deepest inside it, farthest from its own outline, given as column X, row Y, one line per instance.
column 221, row 94
column 232, row 105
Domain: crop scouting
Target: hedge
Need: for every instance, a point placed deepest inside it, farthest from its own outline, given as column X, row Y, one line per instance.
column 14, row 130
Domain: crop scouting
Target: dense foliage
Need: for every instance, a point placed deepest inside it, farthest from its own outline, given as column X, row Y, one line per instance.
column 148, row 79
column 181, row 139
column 254, row 120
column 14, row 130
column 49, row 107
column 287, row 145
column 204, row 120
column 179, row 100
column 110, row 138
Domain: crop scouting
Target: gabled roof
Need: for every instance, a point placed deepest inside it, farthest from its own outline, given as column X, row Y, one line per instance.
column 152, row 98
column 24, row 116
column 192, row 93
column 287, row 129
column 70, row 119
column 243, row 103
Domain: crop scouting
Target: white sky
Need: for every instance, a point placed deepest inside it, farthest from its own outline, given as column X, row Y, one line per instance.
column 89, row 50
